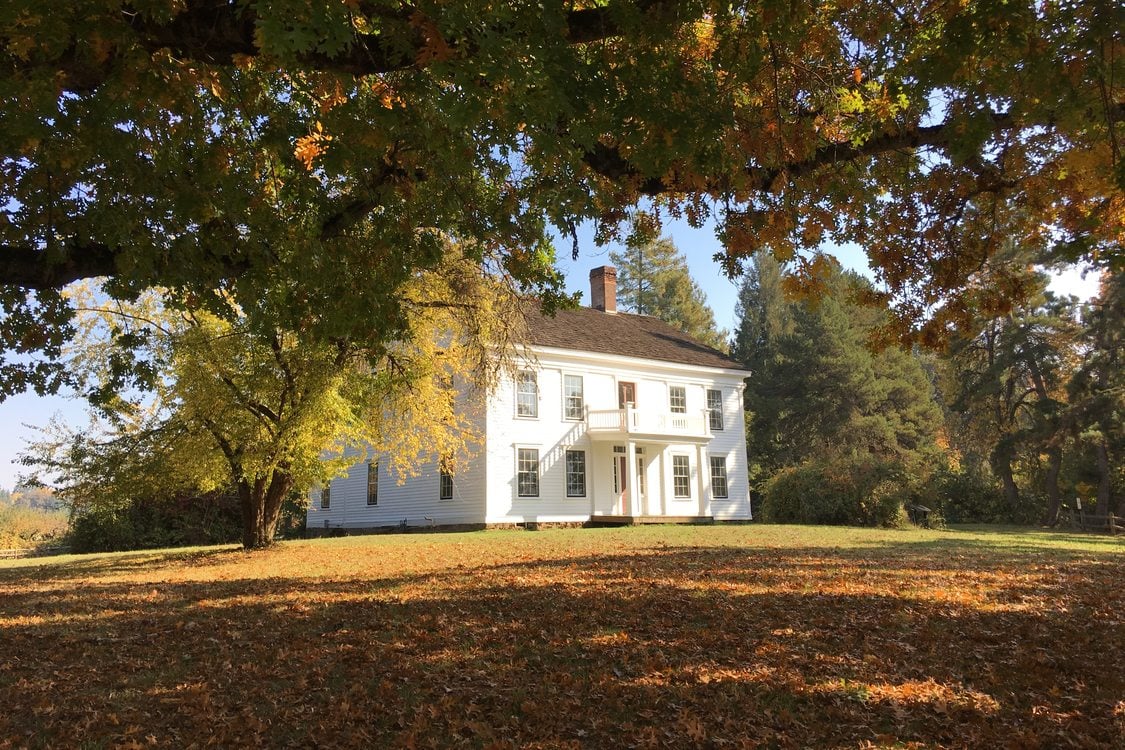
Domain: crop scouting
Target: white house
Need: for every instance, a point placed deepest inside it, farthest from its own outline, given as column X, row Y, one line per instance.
column 615, row 418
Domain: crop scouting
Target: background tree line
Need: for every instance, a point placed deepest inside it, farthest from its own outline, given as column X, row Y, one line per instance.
column 1021, row 411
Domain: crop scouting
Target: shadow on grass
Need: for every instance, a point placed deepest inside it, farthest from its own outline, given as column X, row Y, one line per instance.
column 697, row 647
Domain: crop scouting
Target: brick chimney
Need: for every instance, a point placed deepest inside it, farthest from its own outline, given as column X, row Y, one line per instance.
column 603, row 289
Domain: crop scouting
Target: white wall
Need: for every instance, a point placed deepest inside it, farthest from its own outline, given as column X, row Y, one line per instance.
column 406, row 498
column 551, row 435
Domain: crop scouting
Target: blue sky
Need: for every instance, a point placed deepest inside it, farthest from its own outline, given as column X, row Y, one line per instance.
column 19, row 415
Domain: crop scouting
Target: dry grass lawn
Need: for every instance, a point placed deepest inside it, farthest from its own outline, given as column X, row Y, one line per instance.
column 725, row 636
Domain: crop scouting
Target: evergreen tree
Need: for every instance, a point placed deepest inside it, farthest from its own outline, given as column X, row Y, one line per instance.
column 818, row 390
column 653, row 279
column 1097, row 393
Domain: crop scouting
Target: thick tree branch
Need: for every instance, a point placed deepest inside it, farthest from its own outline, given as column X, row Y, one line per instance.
column 216, row 31
column 34, row 268
column 608, row 162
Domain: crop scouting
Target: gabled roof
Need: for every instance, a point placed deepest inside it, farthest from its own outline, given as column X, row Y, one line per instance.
column 623, row 334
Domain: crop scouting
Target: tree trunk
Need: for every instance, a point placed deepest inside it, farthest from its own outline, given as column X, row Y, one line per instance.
column 261, row 507
column 1054, row 499
column 1002, row 465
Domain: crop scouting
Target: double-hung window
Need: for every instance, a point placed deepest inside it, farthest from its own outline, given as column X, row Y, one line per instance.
column 715, row 408
column 527, row 472
column 573, row 401
column 718, row 476
column 527, row 394
column 326, row 497
column 575, row 473
column 681, row 476
column 445, row 485
column 373, row 483
column 677, row 399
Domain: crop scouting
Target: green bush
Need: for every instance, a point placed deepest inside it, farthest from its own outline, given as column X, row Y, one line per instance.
column 860, row 490
column 969, row 497
column 151, row 523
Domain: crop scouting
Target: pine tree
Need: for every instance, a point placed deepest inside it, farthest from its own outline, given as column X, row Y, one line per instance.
column 817, row 389
column 653, row 279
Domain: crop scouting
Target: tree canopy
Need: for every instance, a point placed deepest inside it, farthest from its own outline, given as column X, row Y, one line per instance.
column 266, row 416
column 317, row 153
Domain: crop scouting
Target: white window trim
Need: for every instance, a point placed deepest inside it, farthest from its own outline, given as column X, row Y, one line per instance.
column 372, row 468
column 452, row 487
column 672, row 466
column 726, row 477
column 516, row 394
column 722, row 417
column 538, row 471
column 672, row 410
column 582, row 382
column 585, row 472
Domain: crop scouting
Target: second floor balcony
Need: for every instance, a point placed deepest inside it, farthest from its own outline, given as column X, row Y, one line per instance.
column 617, row 424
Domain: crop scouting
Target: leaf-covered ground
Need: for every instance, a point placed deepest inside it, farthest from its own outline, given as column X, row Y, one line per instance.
column 743, row 636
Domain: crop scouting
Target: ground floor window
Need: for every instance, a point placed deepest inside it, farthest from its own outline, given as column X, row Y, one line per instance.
column 445, row 490
column 718, row 476
column 681, row 476
column 527, row 472
column 326, row 497
column 373, row 483
column 576, row 473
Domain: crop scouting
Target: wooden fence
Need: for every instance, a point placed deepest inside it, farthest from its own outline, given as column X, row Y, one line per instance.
column 1079, row 519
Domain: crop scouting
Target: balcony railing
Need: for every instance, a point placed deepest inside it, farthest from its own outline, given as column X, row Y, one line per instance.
column 628, row 421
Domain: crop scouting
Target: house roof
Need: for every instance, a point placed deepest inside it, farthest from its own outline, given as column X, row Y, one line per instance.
column 623, row 334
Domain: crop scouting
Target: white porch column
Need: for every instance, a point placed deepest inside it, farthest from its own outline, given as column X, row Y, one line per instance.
column 660, row 487
column 704, row 500
column 631, row 483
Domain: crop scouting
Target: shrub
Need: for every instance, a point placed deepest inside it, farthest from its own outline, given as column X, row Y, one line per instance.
column 151, row 523
column 968, row 497
column 859, row 490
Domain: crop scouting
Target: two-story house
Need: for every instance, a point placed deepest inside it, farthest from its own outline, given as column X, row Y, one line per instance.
column 615, row 417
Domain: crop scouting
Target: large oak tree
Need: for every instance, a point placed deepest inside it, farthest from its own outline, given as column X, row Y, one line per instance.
column 317, row 152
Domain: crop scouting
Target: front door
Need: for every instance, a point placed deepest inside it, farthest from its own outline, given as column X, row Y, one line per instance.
column 626, row 394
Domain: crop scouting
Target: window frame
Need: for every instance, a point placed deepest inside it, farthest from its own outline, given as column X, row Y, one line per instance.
column 681, row 392
column 520, row 471
column 326, row 497
column 721, row 462
column 581, row 410
column 523, row 377
column 445, row 478
column 686, row 477
column 372, row 473
column 569, row 473
column 715, row 414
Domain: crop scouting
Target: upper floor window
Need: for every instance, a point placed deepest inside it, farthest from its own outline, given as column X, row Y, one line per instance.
column 373, row 483
column 718, row 476
column 527, row 394
column 573, row 401
column 677, row 399
column 715, row 408
column 326, row 497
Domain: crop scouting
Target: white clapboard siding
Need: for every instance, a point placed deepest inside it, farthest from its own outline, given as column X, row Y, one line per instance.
column 485, row 490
